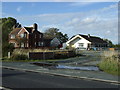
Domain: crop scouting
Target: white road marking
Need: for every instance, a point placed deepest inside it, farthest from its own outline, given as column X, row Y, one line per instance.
column 3, row 88
column 115, row 83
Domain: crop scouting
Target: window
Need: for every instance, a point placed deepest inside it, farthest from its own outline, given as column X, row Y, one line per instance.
column 35, row 43
column 40, row 36
column 35, row 36
column 40, row 43
column 21, row 35
column 22, row 44
column 25, row 34
column 81, row 44
column 12, row 36
column 14, row 44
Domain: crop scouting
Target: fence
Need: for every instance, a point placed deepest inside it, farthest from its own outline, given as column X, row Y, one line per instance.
column 50, row 55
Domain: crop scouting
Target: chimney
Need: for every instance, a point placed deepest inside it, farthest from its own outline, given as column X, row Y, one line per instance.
column 34, row 26
column 88, row 35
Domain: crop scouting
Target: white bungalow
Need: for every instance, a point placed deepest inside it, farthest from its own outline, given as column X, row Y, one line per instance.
column 86, row 42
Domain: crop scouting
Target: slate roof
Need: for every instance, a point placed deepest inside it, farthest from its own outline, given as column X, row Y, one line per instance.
column 29, row 29
column 37, row 32
column 92, row 39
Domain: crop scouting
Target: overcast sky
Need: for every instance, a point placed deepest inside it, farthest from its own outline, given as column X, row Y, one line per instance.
column 95, row 18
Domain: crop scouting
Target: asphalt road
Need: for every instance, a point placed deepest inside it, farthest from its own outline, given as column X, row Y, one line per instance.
column 21, row 79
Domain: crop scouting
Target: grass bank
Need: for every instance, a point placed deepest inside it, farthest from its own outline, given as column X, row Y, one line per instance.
column 110, row 62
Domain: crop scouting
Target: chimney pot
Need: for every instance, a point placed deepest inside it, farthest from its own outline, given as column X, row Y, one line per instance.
column 34, row 26
column 88, row 35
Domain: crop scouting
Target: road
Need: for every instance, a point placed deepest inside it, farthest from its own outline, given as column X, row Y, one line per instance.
column 21, row 79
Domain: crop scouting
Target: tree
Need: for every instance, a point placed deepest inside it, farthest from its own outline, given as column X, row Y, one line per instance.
column 54, row 32
column 6, row 25
column 117, row 46
column 51, row 33
column 110, row 44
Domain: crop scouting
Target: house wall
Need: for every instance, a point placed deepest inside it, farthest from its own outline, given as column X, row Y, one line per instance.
column 55, row 42
column 75, row 43
column 14, row 42
column 22, row 31
column 82, row 40
column 36, row 38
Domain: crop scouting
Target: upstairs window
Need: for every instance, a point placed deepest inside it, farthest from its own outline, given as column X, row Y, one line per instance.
column 25, row 34
column 21, row 35
column 40, row 36
column 35, row 36
column 12, row 36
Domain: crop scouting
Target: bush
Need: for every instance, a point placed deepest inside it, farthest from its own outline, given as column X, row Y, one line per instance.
column 19, row 57
column 110, row 63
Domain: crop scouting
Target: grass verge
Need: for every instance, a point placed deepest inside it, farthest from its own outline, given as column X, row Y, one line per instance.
column 110, row 62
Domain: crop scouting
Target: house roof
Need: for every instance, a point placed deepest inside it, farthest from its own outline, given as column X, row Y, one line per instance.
column 51, row 38
column 29, row 29
column 92, row 39
column 15, row 31
column 37, row 32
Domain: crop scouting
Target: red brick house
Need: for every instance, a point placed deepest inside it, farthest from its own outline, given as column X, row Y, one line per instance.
column 28, row 37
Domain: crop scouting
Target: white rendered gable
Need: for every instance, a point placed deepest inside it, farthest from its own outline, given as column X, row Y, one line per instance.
column 75, row 41
column 82, row 41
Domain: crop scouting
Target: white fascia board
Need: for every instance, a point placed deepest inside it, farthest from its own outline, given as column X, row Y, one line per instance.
column 75, row 38
column 72, row 39
column 21, row 30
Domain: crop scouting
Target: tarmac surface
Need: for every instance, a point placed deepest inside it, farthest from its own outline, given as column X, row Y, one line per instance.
column 90, row 59
column 19, row 79
column 93, row 75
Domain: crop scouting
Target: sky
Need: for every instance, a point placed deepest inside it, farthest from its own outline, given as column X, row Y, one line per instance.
column 94, row 18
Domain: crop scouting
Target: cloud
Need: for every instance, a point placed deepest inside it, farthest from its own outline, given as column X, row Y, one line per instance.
column 102, row 22
column 81, row 3
column 18, row 9
column 89, row 20
column 114, row 6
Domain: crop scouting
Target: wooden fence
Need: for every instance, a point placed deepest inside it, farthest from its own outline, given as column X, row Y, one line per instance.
column 50, row 55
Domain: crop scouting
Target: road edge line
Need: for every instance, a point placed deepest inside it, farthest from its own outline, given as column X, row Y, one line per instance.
column 56, row 74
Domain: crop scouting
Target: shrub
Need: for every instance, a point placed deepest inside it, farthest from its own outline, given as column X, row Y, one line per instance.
column 19, row 57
